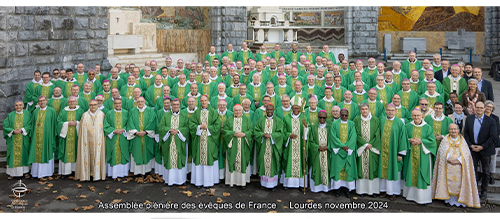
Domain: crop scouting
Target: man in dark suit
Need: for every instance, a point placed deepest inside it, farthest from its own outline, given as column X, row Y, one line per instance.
column 444, row 72
column 480, row 134
column 483, row 85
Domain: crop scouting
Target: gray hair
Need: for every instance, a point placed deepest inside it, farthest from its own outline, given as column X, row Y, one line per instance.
column 472, row 80
column 364, row 104
column 114, row 69
column 423, row 98
column 489, row 102
column 285, row 95
column 147, row 67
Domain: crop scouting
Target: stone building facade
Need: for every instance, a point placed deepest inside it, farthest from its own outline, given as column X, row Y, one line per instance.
column 229, row 25
column 46, row 38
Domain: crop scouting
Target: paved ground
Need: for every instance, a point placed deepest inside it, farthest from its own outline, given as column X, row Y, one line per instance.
column 188, row 199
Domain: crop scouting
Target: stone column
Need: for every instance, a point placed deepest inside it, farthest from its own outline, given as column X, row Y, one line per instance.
column 362, row 31
column 229, row 25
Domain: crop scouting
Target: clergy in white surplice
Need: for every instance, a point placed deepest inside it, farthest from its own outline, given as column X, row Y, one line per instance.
column 173, row 129
column 238, row 141
column 368, row 151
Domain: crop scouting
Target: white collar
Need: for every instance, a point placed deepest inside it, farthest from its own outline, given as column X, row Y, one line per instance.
column 398, row 107
column 197, row 95
column 101, row 107
column 282, row 86
column 255, row 85
column 230, row 51
column 390, row 118
column 434, row 95
column 295, row 116
column 362, row 93
column 415, row 82
column 91, row 81
column 438, row 119
column 68, row 109
column 343, row 121
column 396, row 72
column 348, row 103
column 204, row 109
column 211, row 54
column 84, row 93
column 46, row 85
column 191, row 111
column 408, row 59
column 423, row 69
column 274, row 93
column 453, row 78
column 298, row 92
column 244, row 50
column 142, row 110
column 336, row 88
column 369, row 101
column 83, row 73
column 246, row 111
column 158, row 86
column 72, row 80
column 202, row 82
column 380, row 88
column 325, row 52
column 222, row 112
column 117, row 111
column 260, row 51
column 165, row 111
column 287, row 109
column 20, row 112
column 329, row 100
column 92, row 114
column 223, row 97
column 421, row 124
column 408, row 91
column 213, row 79
column 175, row 114
column 43, row 108
column 433, row 80
column 434, row 64
column 345, row 69
column 322, row 125
column 243, row 95
column 367, row 118
column 354, row 83
column 146, row 77
column 313, row 111
column 385, row 82
column 57, row 98
column 369, row 68
column 117, row 78
column 269, row 117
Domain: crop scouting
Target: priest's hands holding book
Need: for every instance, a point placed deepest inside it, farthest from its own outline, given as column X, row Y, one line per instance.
column 174, row 131
column 239, row 134
column 72, row 123
column 118, row 131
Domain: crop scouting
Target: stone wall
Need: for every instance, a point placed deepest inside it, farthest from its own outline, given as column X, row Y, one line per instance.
column 361, row 34
column 45, row 38
column 492, row 33
column 229, row 25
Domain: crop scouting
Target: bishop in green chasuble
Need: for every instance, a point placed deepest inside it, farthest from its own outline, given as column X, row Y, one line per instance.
column 319, row 156
column 368, row 151
column 173, row 130
column 343, row 170
column 269, row 145
column 417, row 169
column 238, row 142
column 204, row 127
column 43, row 140
column 296, row 131
column 67, row 123
column 117, row 145
column 141, row 128
column 17, row 128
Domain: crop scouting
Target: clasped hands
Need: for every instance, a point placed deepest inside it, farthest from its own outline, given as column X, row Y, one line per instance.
column 476, row 148
column 118, row 131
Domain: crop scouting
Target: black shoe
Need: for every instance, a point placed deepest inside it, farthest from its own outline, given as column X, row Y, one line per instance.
column 492, row 181
column 273, row 189
column 285, row 188
column 483, row 196
column 347, row 194
column 198, row 187
column 337, row 193
column 375, row 195
column 243, row 187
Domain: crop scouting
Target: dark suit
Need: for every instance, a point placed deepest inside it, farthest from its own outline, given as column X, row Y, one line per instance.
column 439, row 75
column 487, row 137
column 487, row 89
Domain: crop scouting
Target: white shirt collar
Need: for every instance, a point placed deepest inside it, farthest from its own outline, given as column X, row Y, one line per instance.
column 438, row 119
column 117, row 111
column 396, row 72
column 328, row 100
column 57, row 98
column 222, row 112
column 434, row 95
column 421, row 124
column 20, row 112
column 92, row 114
column 158, row 86
column 191, row 111
column 322, row 125
column 391, row 118
column 343, row 122
column 367, row 118
column 286, row 109
column 295, row 116
column 68, row 109
column 142, row 110
column 165, row 111
column 133, row 85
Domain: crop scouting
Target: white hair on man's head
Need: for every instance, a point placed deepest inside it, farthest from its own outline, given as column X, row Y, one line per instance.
column 147, row 67
column 246, row 100
column 114, row 69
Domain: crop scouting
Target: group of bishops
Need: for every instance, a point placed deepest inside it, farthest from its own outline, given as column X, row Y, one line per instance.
column 297, row 119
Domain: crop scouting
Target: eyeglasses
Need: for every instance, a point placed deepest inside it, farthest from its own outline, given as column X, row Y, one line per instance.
column 424, row 104
column 321, row 117
column 344, row 115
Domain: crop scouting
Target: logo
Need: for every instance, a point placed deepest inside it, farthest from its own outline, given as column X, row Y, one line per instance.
column 19, row 189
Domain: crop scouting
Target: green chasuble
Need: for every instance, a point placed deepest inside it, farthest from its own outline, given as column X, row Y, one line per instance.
column 329, row 56
column 436, row 97
column 343, row 163
column 117, row 147
column 173, row 147
column 417, row 170
column 56, row 103
column 394, row 86
column 81, row 78
column 293, row 153
column 280, row 113
column 259, row 56
column 439, row 125
column 352, row 108
column 384, row 95
column 459, row 85
column 215, row 100
column 233, row 56
column 422, row 88
column 319, row 161
column 292, row 57
column 269, row 154
column 436, row 67
column 414, row 85
column 376, row 108
column 238, row 149
column 29, row 94
column 88, row 97
column 312, row 115
column 204, row 146
column 18, row 145
column 394, row 141
column 106, row 95
column 223, row 116
column 398, row 78
column 244, row 55
column 96, row 85
column 147, row 81
column 261, row 112
column 67, row 135
column 80, row 102
column 281, row 90
column 277, row 54
column 327, row 105
column 126, row 90
column 368, row 133
column 44, row 89
column 209, row 89
column 407, row 66
column 311, row 57
column 142, row 148
column 180, row 91
column 338, row 93
column 116, row 83
column 360, row 97
column 409, row 100
column 43, row 135
column 210, row 57
column 153, row 93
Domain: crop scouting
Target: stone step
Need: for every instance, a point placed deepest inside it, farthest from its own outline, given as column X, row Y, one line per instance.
column 497, row 174
column 494, row 198
column 140, row 55
column 3, row 170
